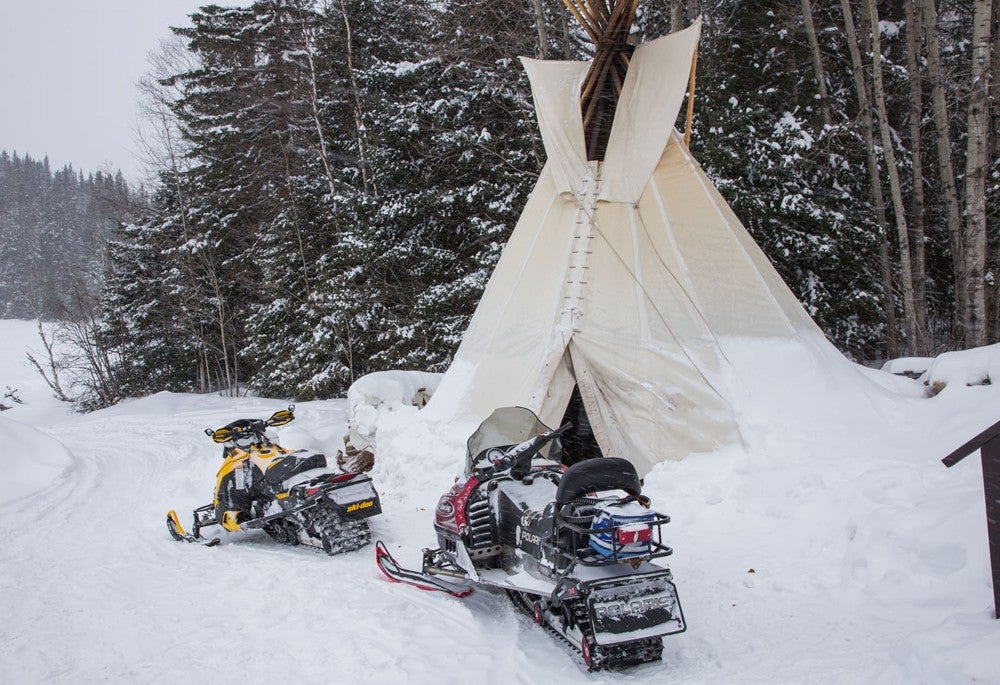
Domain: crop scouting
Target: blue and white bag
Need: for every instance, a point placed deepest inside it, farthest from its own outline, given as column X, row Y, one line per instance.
column 628, row 524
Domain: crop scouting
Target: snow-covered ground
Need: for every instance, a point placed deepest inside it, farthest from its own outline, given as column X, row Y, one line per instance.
column 833, row 547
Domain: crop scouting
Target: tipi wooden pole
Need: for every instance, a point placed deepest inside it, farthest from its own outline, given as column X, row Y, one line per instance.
column 690, row 107
column 586, row 22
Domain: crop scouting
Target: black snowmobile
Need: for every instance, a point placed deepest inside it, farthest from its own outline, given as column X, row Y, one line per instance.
column 571, row 546
column 291, row 495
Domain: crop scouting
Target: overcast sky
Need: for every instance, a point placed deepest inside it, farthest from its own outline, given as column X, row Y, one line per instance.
column 68, row 74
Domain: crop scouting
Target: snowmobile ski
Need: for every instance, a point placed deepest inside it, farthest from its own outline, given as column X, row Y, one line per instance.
column 425, row 581
column 178, row 533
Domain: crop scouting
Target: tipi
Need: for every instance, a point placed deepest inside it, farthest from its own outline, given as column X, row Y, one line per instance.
column 626, row 271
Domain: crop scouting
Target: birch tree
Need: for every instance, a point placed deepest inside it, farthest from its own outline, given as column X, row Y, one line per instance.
column 874, row 174
column 914, row 334
column 976, row 165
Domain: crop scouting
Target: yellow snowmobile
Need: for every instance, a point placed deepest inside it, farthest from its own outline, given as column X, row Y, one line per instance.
column 292, row 495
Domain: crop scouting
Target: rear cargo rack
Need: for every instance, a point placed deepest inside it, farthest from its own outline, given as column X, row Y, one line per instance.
column 578, row 530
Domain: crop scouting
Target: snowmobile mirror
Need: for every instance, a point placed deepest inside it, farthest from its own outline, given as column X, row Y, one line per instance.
column 280, row 418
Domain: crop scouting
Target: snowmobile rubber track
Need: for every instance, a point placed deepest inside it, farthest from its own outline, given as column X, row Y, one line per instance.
column 335, row 535
column 602, row 657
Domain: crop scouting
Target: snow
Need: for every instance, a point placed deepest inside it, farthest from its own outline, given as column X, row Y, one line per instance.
column 915, row 366
column 832, row 547
column 966, row 367
column 30, row 461
column 372, row 399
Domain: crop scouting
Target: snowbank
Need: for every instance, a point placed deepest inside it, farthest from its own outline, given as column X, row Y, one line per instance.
column 383, row 397
column 30, row 461
column 962, row 368
column 978, row 366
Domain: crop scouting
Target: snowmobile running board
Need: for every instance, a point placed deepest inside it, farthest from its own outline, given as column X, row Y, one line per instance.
column 393, row 571
column 179, row 534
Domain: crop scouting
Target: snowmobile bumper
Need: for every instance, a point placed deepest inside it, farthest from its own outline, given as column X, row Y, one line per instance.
column 633, row 608
column 355, row 499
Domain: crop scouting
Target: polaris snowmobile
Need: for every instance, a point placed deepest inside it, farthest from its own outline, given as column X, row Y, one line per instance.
column 291, row 495
column 571, row 546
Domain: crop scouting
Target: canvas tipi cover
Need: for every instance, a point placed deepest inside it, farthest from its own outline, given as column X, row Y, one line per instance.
column 622, row 277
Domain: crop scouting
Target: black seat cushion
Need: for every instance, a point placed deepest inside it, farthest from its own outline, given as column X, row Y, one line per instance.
column 605, row 473
column 291, row 464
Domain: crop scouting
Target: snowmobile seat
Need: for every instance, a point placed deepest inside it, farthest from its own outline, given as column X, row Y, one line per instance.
column 293, row 463
column 590, row 475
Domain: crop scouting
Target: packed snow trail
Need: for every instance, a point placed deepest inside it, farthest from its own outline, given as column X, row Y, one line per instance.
column 112, row 596
column 824, row 552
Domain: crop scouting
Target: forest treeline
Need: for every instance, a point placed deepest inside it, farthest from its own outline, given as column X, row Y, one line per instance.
column 337, row 178
column 53, row 230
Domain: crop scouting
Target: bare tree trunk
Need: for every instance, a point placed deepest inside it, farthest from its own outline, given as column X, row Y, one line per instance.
column 676, row 15
column 543, row 38
column 817, row 61
column 309, row 47
column 567, row 41
column 916, row 222
column 693, row 10
column 946, row 171
column 976, row 163
column 914, row 334
column 874, row 176
column 293, row 205
column 991, row 192
column 359, row 121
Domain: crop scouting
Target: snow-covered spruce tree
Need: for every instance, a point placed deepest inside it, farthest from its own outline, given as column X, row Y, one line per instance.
column 299, row 257
column 456, row 152
column 759, row 134
column 145, row 325
column 237, row 114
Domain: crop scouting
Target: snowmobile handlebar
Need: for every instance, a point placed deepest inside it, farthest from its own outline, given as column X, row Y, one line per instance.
column 251, row 428
column 518, row 458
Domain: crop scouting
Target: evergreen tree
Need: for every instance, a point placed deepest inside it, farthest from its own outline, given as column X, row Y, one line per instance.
column 52, row 229
column 467, row 131
column 794, row 182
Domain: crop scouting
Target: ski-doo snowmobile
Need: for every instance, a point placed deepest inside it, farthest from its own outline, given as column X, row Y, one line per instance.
column 571, row 546
column 291, row 495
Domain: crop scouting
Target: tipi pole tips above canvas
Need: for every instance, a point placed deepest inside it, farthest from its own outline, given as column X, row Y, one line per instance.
column 608, row 23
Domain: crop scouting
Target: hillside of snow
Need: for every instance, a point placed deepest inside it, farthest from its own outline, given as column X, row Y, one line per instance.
column 831, row 547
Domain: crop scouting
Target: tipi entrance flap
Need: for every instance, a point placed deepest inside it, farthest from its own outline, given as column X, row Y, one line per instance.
column 648, row 405
column 651, row 98
column 555, row 87
column 551, row 399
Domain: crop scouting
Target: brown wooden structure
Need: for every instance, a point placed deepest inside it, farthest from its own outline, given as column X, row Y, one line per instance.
column 608, row 23
column 988, row 443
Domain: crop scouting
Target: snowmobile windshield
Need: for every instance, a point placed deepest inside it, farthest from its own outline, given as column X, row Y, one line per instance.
column 505, row 427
